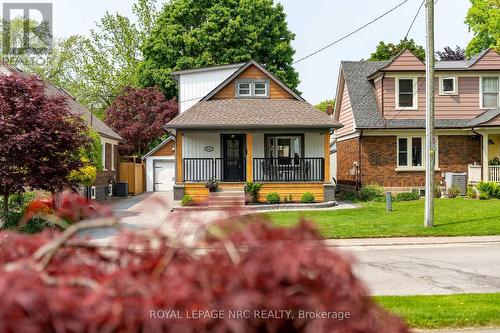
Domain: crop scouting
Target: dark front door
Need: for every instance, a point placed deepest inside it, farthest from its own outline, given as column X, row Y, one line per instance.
column 233, row 157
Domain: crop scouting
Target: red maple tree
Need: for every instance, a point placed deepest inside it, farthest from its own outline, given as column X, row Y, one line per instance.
column 39, row 137
column 139, row 115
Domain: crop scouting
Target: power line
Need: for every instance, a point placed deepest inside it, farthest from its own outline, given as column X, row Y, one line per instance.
column 414, row 19
column 352, row 32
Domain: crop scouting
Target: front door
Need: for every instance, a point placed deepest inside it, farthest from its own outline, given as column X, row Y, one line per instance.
column 233, row 157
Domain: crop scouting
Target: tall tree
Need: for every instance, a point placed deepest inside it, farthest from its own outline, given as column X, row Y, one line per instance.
column 138, row 115
column 191, row 34
column 323, row 104
column 483, row 19
column 39, row 137
column 387, row 51
column 449, row 54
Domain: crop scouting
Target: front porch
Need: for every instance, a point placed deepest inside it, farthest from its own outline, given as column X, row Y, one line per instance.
column 289, row 162
column 489, row 170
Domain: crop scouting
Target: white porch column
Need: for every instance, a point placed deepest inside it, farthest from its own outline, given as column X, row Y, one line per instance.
column 484, row 162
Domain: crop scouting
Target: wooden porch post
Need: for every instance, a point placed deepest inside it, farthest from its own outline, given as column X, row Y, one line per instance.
column 249, row 157
column 327, row 156
column 178, row 156
column 485, row 157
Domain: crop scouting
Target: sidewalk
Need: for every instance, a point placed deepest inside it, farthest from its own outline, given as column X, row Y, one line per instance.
column 461, row 330
column 392, row 241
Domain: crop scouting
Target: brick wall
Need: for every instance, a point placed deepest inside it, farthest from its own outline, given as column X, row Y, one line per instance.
column 378, row 160
column 347, row 154
column 106, row 176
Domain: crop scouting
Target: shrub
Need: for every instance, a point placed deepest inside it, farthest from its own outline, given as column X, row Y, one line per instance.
column 488, row 190
column 187, row 200
column 407, row 196
column 253, row 189
column 453, row 192
column 437, row 191
column 472, row 192
column 273, row 198
column 371, row 193
column 307, row 197
column 80, row 281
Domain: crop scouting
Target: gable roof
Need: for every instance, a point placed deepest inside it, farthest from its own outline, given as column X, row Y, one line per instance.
column 159, row 146
column 361, row 92
column 74, row 107
column 240, row 70
column 252, row 113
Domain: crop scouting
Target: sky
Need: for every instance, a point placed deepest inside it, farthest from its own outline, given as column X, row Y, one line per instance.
column 315, row 23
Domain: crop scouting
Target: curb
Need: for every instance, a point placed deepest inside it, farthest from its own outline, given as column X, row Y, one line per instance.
column 411, row 241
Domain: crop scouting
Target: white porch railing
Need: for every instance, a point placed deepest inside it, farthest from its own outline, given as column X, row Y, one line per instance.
column 494, row 173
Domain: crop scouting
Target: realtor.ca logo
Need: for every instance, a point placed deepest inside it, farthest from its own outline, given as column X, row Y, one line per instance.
column 26, row 28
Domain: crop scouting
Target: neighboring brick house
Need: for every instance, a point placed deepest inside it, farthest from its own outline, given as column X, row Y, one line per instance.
column 109, row 139
column 382, row 108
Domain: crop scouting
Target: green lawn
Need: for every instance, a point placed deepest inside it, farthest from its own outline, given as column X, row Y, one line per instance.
column 465, row 310
column 453, row 217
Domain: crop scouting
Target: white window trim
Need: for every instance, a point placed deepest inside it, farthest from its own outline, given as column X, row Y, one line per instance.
column 409, row 156
column 113, row 157
column 415, row 93
column 455, row 85
column 252, row 93
column 249, row 89
column 481, row 92
column 103, row 159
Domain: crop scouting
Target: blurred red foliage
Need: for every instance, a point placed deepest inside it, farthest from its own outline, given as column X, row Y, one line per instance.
column 86, row 289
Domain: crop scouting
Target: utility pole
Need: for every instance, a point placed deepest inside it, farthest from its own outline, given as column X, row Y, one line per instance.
column 430, row 140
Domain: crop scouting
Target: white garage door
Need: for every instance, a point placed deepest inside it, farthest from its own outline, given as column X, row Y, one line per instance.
column 164, row 173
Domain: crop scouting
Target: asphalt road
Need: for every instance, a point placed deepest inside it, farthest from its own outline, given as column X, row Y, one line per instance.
column 428, row 268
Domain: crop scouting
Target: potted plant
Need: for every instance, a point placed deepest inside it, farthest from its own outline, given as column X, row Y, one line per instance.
column 212, row 185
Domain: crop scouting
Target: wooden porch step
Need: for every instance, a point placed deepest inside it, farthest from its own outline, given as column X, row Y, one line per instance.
column 226, row 199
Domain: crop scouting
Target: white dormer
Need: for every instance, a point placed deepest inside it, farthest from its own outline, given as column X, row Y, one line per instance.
column 194, row 84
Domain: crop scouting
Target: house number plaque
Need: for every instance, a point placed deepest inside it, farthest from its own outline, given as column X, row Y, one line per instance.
column 209, row 149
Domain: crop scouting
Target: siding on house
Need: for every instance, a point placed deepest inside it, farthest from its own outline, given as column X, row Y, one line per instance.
column 463, row 105
column 489, row 61
column 194, row 86
column 345, row 116
column 406, row 61
column 167, row 150
column 252, row 72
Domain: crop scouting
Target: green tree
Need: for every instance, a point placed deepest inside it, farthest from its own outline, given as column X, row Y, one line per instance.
column 191, row 34
column 323, row 104
column 483, row 19
column 388, row 51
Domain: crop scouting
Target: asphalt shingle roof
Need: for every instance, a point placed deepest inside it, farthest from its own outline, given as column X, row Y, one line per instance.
column 252, row 114
column 361, row 92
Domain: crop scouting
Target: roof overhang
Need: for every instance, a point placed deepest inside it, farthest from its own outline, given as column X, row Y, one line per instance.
column 250, row 126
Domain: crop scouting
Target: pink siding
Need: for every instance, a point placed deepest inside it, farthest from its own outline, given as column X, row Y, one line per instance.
column 491, row 60
column 463, row 105
column 378, row 93
column 494, row 122
column 346, row 117
column 406, row 62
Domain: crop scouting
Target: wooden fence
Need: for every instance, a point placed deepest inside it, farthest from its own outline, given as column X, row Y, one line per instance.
column 133, row 174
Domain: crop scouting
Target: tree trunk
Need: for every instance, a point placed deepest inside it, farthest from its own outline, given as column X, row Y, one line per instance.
column 6, row 202
column 54, row 201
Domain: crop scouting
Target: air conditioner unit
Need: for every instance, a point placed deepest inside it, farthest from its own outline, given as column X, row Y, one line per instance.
column 456, row 179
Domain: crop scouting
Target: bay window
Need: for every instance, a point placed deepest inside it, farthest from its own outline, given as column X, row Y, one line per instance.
column 490, row 92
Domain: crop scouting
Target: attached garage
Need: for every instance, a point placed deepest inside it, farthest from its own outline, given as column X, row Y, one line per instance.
column 160, row 167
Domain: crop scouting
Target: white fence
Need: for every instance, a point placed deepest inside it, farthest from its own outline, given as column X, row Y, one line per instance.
column 494, row 173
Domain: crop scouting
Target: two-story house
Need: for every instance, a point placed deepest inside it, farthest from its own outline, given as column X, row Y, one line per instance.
column 382, row 108
column 239, row 123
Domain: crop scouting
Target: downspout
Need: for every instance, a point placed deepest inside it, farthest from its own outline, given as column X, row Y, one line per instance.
column 382, row 87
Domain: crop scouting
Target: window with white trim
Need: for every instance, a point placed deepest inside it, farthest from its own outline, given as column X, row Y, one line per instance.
column 252, row 88
column 113, row 157
column 244, row 89
column 490, row 92
column 410, row 152
column 448, row 86
column 406, row 93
